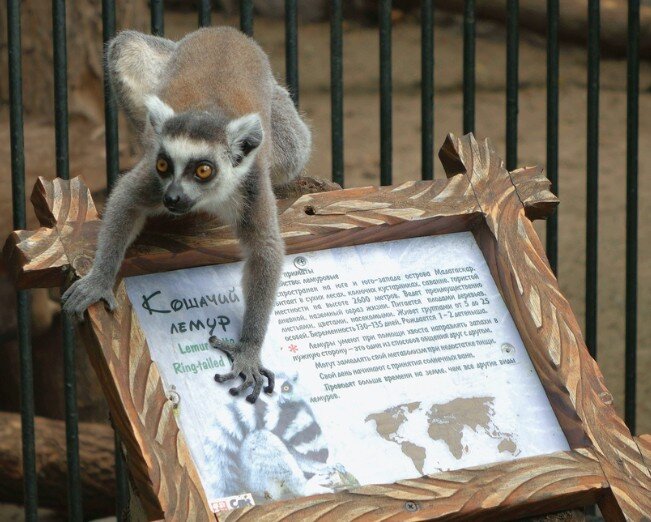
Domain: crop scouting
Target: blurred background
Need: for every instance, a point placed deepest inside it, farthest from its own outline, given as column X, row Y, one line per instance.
column 361, row 131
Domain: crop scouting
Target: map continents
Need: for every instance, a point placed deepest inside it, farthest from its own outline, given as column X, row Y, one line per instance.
column 412, row 425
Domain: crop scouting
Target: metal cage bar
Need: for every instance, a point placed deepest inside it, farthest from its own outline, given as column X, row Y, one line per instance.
column 291, row 49
column 632, row 140
column 60, row 66
column 427, row 89
column 246, row 16
column 110, row 106
column 23, row 311
column 512, row 52
column 592, row 216
column 337, row 91
column 385, row 94
column 157, row 18
column 551, row 237
column 469, row 66
column 204, row 13
column 112, row 173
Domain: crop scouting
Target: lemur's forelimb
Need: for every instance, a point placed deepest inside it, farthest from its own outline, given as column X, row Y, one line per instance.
column 263, row 248
column 132, row 199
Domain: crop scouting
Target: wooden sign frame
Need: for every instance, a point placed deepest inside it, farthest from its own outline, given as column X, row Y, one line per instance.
column 605, row 464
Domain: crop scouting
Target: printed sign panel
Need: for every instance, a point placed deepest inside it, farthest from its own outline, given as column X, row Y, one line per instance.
column 392, row 360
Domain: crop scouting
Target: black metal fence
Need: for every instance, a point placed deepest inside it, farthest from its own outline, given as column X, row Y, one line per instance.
column 337, row 116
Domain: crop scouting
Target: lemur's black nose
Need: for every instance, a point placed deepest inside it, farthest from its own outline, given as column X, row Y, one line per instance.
column 171, row 200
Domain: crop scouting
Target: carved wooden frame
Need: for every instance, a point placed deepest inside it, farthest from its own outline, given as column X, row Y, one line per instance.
column 605, row 465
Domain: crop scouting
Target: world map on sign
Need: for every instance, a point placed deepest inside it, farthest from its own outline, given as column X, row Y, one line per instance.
column 409, row 424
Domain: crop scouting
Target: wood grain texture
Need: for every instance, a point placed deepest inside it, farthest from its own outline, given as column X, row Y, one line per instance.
column 606, row 463
column 66, row 212
column 160, row 465
column 572, row 379
column 309, row 222
column 644, row 443
column 497, row 492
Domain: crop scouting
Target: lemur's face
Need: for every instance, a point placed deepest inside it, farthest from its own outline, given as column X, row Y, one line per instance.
column 202, row 157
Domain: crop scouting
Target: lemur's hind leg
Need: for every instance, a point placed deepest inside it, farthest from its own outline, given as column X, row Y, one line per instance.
column 292, row 140
column 135, row 62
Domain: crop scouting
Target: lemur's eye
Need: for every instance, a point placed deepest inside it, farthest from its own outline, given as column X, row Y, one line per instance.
column 203, row 171
column 162, row 165
column 285, row 387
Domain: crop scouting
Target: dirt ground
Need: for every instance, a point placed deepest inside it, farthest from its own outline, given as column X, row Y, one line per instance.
column 361, row 131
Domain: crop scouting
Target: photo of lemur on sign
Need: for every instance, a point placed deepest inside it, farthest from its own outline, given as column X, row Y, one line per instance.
column 399, row 353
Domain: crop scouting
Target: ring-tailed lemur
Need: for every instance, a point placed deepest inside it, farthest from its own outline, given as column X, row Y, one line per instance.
column 216, row 128
column 271, row 450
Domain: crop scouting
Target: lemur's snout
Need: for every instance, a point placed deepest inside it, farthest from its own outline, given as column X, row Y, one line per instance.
column 171, row 200
column 176, row 201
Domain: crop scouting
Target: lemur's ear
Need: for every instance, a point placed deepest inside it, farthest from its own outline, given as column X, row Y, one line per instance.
column 158, row 112
column 244, row 135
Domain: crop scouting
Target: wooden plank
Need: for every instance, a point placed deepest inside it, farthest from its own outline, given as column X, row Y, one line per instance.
column 644, row 443
column 159, row 461
column 572, row 379
column 500, row 491
column 310, row 222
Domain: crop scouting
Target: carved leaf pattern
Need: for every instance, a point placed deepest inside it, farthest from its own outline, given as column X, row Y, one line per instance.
column 157, row 454
column 540, row 312
column 480, row 195
column 496, row 492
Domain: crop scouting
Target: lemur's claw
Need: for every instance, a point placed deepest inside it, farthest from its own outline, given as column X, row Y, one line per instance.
column 269, row 389
column 226, row 377
column 84, row 292
column 246, row 364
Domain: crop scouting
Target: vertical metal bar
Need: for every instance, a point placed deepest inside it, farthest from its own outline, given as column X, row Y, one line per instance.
column 552, row 127
column 632, row 125
column 19, row 222
column 110, row 107
column 246, row 16
column 122, row 483
column 427, row 89
column 75, row 502
column 469, row 66
column 337, row 90
column 291, row 49
column 592, row 237
column 204, row 13
column 60, row 62
column 512, row 36
column 157, row 20
column 112, row 172
column 385, row 93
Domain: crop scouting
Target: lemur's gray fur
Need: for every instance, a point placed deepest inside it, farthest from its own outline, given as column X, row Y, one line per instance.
column 208, row 104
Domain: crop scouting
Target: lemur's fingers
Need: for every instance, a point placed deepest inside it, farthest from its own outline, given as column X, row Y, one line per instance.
column 257, row 386
column 236, row 390
column 269, row 388
column 66, row 295
column 110, row 301
column 225, row 377
column 222, row 345
column 73, row 306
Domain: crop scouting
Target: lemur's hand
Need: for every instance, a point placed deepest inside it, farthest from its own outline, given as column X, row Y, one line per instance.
column 246, row 363
column 86, row 291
